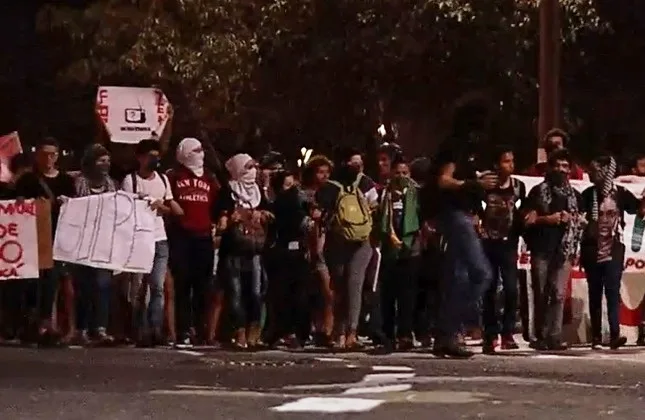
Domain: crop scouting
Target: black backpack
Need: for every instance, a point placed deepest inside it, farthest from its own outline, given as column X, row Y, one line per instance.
column 133, row 177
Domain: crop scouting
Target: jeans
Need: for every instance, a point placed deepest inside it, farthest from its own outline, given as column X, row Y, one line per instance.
column 154, row 316
column 467, row 272
column 399, row 280
column 549, row 281
column 347, row 263
column 502, row 256
column 290, row 298
column 191, row 264
column 41, row 292
column 245, row 275
column 92, row 295
column 604, row 276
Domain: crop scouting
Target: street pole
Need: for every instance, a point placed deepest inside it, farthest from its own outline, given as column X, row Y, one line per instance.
column 549, row 71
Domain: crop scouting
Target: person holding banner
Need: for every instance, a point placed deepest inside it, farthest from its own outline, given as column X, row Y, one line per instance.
column 47, row 182
column 602, row 251
column 92, row 285
column 554, row 212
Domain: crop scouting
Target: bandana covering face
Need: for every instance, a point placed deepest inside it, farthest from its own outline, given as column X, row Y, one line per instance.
column 246, row 191
column 191, row 155
column 606, row 173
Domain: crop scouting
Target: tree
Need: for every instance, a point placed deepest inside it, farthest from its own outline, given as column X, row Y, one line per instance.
column 319, row 70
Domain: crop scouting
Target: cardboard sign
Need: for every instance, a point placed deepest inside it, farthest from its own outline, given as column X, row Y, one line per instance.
column 25, row 238
column 131, row 114
column 114, row 231
column 10, row 146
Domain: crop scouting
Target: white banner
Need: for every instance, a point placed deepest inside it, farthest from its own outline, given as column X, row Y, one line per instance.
column 18, row 240
column 131, row 114
column 114, row 231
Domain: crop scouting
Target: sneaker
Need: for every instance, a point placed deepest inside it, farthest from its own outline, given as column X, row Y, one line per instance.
column 82, row 339
column 558, row 346
column 641, row 341
column 184, row 343
column 539, row 345
column 103, row 339
column 508, row 343
column 596, row 344
column 617, row 343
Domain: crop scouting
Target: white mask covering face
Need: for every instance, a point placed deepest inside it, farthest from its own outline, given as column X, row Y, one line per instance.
column 249, row 176
column 191, row 155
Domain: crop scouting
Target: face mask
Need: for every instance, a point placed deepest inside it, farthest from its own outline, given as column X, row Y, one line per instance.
column 400, row 182
column 153, row 163
column 103, row 168
column 249, row 175
column 557, row 177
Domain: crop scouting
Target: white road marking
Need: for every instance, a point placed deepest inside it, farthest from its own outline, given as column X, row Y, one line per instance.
column 328, row 405
column 392, row 369
column 190, row 353
column 329, row 359
column 378, row 389
column 387, row 377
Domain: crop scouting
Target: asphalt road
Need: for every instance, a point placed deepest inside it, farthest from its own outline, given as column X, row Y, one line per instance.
column 130, row 383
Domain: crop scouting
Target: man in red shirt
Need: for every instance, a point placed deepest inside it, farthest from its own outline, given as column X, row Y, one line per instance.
column 555, row 139
column 190, row 240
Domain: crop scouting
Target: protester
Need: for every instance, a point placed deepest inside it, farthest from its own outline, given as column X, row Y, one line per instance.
column 555, row 139
column 602, row 252
column 291, row 285
column 467, row 271
column 502, row 224
column 153, row 186
column 399, row 235
column 554, row 211
column 243, row 243
column 190, row 240
column 346, row 204
column 386, row 154
column 92, row 285
column 316, row 174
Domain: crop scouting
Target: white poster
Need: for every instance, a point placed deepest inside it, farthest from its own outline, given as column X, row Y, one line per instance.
column 18, row 240
column 114, row 231
column 131, row 114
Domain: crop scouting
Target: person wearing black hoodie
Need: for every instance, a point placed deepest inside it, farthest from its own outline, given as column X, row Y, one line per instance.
column 289, row 289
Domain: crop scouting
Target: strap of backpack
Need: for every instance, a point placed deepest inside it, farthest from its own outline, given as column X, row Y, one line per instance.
column 517, row 188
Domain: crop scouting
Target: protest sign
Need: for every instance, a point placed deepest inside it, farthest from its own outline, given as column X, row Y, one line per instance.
column 114, row 231
column 131, row 114
column 10, row 146
column 25, row 238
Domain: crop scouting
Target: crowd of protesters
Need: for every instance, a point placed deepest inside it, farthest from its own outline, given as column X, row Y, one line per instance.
column 263, row 256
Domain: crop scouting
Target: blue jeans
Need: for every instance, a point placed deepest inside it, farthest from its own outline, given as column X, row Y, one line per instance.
column 502, row 256
column 604, row 277
column 92, row 295
column 245, row 291
column 155, row 282
column 467, row 273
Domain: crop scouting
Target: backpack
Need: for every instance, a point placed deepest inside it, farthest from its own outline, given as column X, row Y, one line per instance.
column 249, row 235
column 133, row 177
column 352, row 219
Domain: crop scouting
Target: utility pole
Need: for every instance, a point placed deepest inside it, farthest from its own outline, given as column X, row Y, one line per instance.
column 549, row 70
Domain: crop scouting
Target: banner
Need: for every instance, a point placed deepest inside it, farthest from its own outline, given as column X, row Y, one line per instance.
column 10, row 146
column 576, row 314
column 114, row 231
column 131, row 114
column 25, row 238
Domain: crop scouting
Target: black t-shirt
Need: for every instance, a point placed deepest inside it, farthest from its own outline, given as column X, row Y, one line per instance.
column 545, row 239
column 500, row 216
column 469, row 197
column 31, row 186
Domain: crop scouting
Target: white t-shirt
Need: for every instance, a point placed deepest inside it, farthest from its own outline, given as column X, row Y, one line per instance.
column 154, row 188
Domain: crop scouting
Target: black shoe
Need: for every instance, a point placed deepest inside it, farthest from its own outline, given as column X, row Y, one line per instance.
column 596, row 344
column 184, row 343
column 539, row 345
column 617, row 342
column 558, row 346
column 488, row 347
column 452, row 350
column 641, row 341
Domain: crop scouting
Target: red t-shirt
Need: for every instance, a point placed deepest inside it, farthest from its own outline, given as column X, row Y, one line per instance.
column 539, row 169
column 196, row 195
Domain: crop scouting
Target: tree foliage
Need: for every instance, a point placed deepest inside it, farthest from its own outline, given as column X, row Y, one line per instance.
column 307, row 67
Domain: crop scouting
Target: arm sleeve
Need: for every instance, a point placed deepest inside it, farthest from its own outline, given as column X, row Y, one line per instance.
column 126, row 185
column 629, row 202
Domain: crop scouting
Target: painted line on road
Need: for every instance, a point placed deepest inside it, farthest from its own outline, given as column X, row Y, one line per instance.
column 387, row 377
column 328, row 405
column 378, row 389
column 329, row 359
column 190, row 353
column 392, row 369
